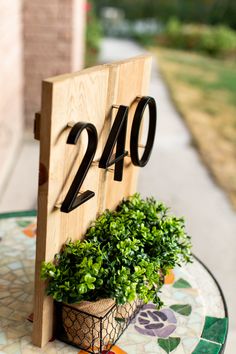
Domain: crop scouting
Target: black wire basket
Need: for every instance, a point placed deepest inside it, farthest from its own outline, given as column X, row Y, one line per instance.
column 94, row 334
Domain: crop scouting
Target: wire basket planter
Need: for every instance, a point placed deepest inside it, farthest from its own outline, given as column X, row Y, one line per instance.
column 94, row 334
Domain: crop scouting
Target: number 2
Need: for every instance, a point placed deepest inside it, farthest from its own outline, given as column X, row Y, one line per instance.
column 72, row 199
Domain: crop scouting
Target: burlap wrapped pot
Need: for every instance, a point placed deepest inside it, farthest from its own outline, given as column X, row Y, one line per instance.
column 83, row 329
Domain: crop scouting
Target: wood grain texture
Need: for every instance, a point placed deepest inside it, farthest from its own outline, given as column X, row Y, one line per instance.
column 84, row 96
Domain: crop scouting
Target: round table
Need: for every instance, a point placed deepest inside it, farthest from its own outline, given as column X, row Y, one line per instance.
column 194, row 316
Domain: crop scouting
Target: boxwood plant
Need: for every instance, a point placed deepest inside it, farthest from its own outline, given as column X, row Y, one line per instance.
column 125, row 255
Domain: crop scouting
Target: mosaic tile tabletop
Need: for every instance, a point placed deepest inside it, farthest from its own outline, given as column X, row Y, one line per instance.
column 193, row 319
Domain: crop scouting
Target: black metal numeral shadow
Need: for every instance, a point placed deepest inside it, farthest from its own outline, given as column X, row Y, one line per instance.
column 117, row 136
column 72, row 199
column 136, row 125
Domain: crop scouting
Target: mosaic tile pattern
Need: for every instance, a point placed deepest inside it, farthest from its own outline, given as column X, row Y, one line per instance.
column 192, row 320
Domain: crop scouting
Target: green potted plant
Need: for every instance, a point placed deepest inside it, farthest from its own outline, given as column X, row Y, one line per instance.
column 124, row 257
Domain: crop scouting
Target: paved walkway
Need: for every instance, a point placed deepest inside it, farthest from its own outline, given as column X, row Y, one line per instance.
column 176, row 175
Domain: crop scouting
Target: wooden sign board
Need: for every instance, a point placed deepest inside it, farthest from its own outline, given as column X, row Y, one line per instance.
column 92, row 96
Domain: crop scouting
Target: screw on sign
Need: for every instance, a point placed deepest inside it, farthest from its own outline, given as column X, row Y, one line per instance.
column 116, row 137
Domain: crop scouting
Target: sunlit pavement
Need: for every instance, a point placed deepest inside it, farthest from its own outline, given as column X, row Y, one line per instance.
column 175, row 175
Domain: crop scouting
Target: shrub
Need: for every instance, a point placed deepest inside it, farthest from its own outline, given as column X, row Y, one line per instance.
column 173, row 32
column 214, row 40
column 125, row 256
column 173, row 27
column 218, row 40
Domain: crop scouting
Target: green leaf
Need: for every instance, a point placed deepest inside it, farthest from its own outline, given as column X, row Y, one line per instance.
column 181, row 283
column 184, row 310
column 91, row 286
column 23, row 223
column 82, row 288
column 169, row 344
column 88, row 278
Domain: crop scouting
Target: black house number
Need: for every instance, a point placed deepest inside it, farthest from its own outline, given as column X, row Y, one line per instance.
column 116, row 138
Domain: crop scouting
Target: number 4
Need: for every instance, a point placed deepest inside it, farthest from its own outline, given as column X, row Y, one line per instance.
column 117, row 136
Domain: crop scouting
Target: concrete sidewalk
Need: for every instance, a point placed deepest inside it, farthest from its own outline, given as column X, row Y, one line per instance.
column 176, row 175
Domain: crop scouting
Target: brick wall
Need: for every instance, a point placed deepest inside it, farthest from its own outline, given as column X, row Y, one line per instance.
column 11, row 85
column 53, row 44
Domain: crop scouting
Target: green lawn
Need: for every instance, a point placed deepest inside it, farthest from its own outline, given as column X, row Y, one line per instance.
column 204, row 91
column 224, row 74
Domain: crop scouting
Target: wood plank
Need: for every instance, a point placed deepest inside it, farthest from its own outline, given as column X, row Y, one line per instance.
column 84, row 96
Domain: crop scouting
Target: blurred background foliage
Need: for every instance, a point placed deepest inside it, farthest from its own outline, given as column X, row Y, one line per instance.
column 93, row 35
column 205, row 25
column 187, row 11
column 213, row 40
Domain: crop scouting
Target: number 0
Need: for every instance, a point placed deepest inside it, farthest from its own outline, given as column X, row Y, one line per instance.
column 135, row 130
